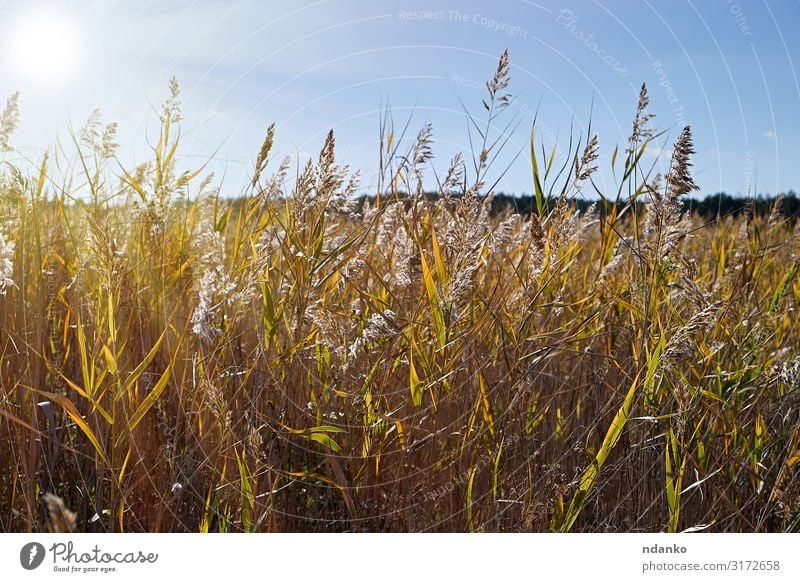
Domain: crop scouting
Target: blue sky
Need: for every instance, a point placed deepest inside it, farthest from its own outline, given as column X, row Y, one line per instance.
column 729, row 69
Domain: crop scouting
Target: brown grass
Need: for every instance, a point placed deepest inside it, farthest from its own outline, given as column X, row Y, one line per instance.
column 171, row 360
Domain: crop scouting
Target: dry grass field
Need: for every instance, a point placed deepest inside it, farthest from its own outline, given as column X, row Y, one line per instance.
column 293, row 358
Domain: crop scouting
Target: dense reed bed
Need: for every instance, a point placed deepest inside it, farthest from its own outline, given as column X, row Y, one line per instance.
column 289, row 360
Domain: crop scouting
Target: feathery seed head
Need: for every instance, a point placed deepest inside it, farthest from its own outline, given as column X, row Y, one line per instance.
column 6, row 263
column 640, row 130
column 679, row 179
column 584, row 166
column 499, row 82
column 9, row 121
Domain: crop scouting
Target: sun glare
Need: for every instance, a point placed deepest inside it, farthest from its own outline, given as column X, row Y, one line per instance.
column 45, row 46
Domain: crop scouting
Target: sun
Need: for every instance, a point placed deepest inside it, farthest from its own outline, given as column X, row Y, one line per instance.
column 45, row 45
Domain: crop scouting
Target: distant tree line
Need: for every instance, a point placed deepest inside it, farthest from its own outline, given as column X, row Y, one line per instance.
column 710, row 207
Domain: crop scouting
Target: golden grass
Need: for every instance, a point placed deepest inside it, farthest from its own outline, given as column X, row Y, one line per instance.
column 291, row 361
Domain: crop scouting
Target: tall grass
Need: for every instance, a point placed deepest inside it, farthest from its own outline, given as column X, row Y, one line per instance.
column 291, row 360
